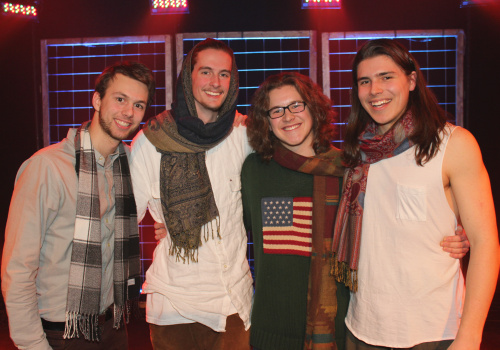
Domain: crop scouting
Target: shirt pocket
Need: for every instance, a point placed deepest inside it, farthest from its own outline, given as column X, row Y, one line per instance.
column 235, row 182
column 411, row 203
column 231, row 206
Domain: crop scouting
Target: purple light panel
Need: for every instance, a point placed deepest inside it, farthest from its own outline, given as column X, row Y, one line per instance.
column 161, row 7
column 465, row 3
column 19, row 10
column 321, row 4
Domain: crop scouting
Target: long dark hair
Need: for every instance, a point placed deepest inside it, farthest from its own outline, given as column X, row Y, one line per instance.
column 261, row 137
column 429, row 118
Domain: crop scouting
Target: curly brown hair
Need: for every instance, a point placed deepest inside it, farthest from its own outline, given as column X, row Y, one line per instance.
column 260, row 136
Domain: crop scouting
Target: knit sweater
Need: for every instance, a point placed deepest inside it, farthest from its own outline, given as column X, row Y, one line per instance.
column 281, row 271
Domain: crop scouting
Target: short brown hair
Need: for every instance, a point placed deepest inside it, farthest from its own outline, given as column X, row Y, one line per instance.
column 134, row 70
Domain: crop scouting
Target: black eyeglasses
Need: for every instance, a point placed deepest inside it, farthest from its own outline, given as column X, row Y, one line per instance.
column 294, row 107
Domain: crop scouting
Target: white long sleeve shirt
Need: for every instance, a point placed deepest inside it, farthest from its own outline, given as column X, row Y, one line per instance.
column 220, row 283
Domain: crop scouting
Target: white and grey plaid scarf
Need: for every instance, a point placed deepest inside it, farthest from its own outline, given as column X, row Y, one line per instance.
column 84, row 288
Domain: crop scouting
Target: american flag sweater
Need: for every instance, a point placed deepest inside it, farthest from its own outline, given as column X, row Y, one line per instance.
column 277, row 206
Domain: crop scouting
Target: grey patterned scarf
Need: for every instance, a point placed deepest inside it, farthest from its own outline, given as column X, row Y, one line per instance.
column 84, row 287
column 187, row 198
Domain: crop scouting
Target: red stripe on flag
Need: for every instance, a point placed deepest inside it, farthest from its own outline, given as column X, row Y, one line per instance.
column 287, row 251
column 269, row 231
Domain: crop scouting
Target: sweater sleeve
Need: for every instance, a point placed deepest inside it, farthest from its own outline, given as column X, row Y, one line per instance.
column 245, row 183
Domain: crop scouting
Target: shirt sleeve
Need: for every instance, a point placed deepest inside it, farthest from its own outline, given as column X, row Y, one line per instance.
column 145, row 177
column 34, row 204
column 244, row 197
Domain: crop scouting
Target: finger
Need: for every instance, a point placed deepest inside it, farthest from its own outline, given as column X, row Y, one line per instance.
column 457, row 256
column 456, row 250
column 452, row 239
column 157, row 225
column 458, row 245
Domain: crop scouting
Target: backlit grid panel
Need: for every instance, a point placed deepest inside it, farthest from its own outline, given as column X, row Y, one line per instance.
column 72, row 68
column 70, row 74
column 439, row 57
column 257, row 57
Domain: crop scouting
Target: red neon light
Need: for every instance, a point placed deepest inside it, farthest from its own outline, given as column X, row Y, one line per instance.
column 166, row 4
column 322, row 1
column 19, row 9
column 321, row 4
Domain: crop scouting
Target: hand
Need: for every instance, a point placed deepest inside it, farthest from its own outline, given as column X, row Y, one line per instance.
column 160, row 230
column 457, row 245
column 239, row 119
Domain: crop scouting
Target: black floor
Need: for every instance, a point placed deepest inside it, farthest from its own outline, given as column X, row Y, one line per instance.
column 138, row 331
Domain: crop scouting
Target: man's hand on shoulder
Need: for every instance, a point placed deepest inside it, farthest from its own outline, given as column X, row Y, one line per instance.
column 239, row 119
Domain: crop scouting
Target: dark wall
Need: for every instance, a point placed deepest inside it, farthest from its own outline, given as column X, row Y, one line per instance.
column 20, row 63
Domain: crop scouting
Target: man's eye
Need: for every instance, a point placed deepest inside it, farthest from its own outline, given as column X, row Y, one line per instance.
column 120, row 99
column 138, row 105
column 225, row 75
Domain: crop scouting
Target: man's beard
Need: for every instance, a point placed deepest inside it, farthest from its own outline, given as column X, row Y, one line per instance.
column 106, row 127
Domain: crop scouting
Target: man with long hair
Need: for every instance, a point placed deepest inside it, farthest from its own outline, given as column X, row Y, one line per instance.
column 412, row 177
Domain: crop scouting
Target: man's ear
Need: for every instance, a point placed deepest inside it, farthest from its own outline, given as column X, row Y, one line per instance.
column 96, row 101
column 413, row 80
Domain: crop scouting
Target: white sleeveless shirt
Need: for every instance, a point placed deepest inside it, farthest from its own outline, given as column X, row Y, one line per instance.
column 409, row 290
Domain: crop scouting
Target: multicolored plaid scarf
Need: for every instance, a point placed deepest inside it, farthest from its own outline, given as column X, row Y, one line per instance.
column 181, row 137
column 84, row 288
column 347, row 233
column 321, row 296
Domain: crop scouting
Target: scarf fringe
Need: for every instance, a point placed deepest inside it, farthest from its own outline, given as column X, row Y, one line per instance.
column 118, row 315
column 186, row 255
column 207, row 231
column 344, row 274
column 88, row 325
column 191, row 254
